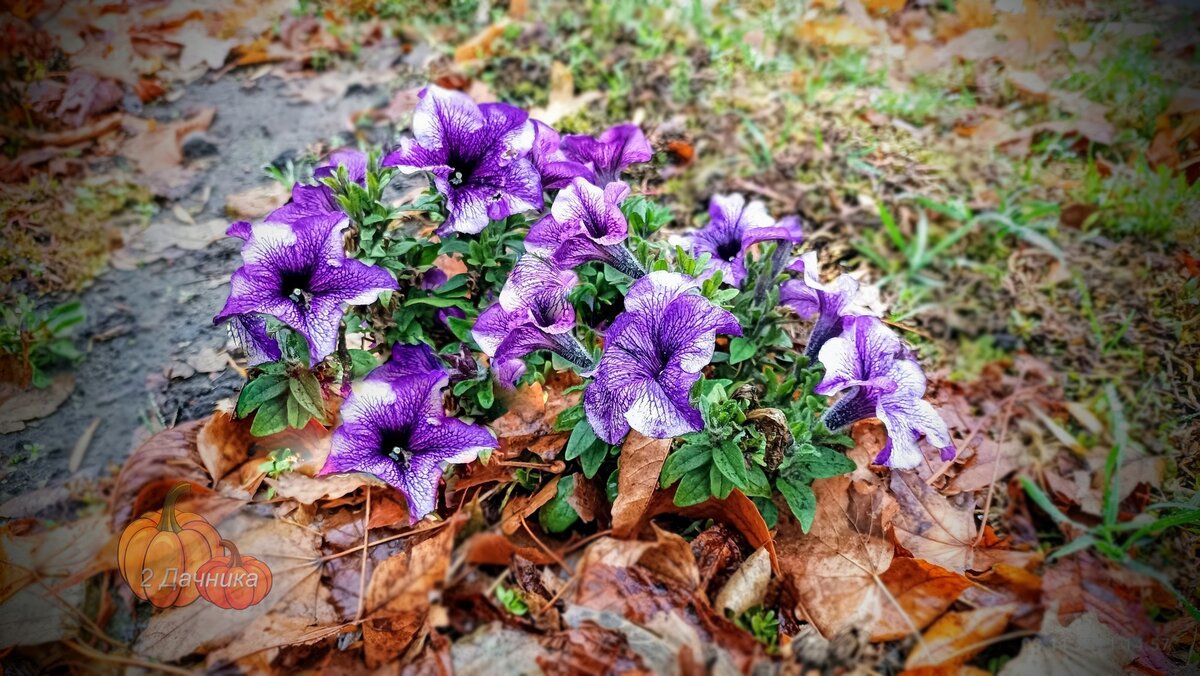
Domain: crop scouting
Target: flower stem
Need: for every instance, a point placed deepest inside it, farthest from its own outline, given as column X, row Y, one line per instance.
column 569, row 348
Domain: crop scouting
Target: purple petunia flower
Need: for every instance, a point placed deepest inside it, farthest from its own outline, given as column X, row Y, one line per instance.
column 881, row 380
column 809, row 297
column 611, row 153
column 478, row 155
column 734, row 227
column 653, row 354
column 300, row 275
column 250, row 332
column 408, row 361
column 585, row 224
column 556, row 170
column 534, row 313
column 353, row 159
column 395, row 427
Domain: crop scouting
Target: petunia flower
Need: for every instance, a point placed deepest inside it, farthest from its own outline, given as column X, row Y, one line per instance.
column 880, row 379
column 610, row 154
column 397, row 429
column 734, row 227
column 300, row 275
column 585, row 224
column 556, row 170
column 250, row 332
column 408, row 361
column 478, row 155
column 353, row 159
column 653, row 354
column 810, row 297
column 534, row 313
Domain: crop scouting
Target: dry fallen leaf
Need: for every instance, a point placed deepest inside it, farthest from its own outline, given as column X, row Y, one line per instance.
column 522, row 507
column 836, row 31
column 480, row 45
column 748, row 585
column 1085, row 648
column 158, row 147
column 957, row 637
column 834, row 571
column 934, row 529
column 396, row 600
column 640, row 462
column 922, row 592
column 256, row 202
column 563, row 100
column 20, row 406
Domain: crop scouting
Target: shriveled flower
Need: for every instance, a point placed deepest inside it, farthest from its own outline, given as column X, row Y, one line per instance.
column 585, row 224
column 653, row 354
column 880, row 379
column 734, row 227
column 534, row 313
column 397, row 429
column 300, row 275
column 610, row 154
column 810, row 298
column 556, row 170
column 478, row 155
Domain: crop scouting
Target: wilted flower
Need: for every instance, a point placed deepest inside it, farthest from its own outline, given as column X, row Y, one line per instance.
column 556, row 170
column 534, row 313
column 653, row 354
column 585, row 223
column 881, row 380
column 608, row 156
column 300, row 275
column 478, row 155
column 396, row 428
column 809, row 297
column 734, row 227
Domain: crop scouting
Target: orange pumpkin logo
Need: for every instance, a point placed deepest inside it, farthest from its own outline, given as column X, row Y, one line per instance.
column 171, row 558
column 234, row 581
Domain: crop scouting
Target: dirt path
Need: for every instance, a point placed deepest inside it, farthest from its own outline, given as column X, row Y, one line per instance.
column 162, row 313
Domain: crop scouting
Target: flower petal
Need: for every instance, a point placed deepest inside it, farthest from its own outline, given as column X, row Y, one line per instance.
column 662, row 408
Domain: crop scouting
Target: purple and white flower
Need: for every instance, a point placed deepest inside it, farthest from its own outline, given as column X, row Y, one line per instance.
column 478, row 155
column 810, row 298
column 880, row 379
column 585, row 224
column 556, row 170
column 653, row 354
column 733, row 228
column 250, row 332
column 395, row 427
column 534, row 313
column 353, row 159
column 610, row 154
column 300, row 274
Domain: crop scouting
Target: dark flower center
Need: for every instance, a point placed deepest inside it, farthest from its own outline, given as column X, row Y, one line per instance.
column 294, row 284
column 394, row 444
column 729, row 249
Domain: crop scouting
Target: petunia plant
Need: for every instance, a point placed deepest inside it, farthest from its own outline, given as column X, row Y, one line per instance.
column 520, row 254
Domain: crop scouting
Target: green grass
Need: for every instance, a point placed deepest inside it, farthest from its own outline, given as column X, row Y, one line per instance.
column 1139, row 200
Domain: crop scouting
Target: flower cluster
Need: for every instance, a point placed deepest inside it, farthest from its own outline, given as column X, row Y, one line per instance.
column 733, row 228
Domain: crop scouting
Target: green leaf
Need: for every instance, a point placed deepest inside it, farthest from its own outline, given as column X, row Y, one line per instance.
column 718, row 484
column 741, row 349
column 826, row 463
column 686, row 459
column 558, row 515
column 758, row 485
column 297, row 415
column 362, row 362
column 306, row 390
column 593, row 458
column 582, row 438
column 258, row 392
column 768, row 510
column 568, row 418
column 800, row 499
column 693, row 488
column 486, row 395
column 435, row 301
column 729, row 460
column 271, row 418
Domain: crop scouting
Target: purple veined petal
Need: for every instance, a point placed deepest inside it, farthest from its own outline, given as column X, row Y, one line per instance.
column 307, row 201
column 610, row 154
column 250, row 332
column 547, row 234
column 556, row 170
column 444, row 314
column 494, row 324
column 409, row 157
column 522, row 341
column 436, row 444
column 353, row 159
column 467, row 212
column 605, row 412
column 408, row 361
column 787, row 231
column 239, row 229
column 687, row 331
column 254, row 289
column 663, row 408
column 866, row 348
column 907, row 420
column 353, row 282
column 580, row 249
column 432, row 279
column 595, row 211
column 509, row 372
column 445, row 118
column 533, row 278
column 801, row 297
column 518, row 190
column 654, row 292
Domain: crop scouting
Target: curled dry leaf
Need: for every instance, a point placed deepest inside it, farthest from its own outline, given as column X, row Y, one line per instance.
column 669, row 556
column 737, row 511
column 522, row 507
column 310, row 490
column 18, row 407
column 957, row 637
column 498, row 550
column 748, row 586
column 639, row 465
column 920, row 593
column 158, row 147
column 934, row 529
column 1084, row 648
column 480, row 45
column 834, row 571
column 586, row 499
